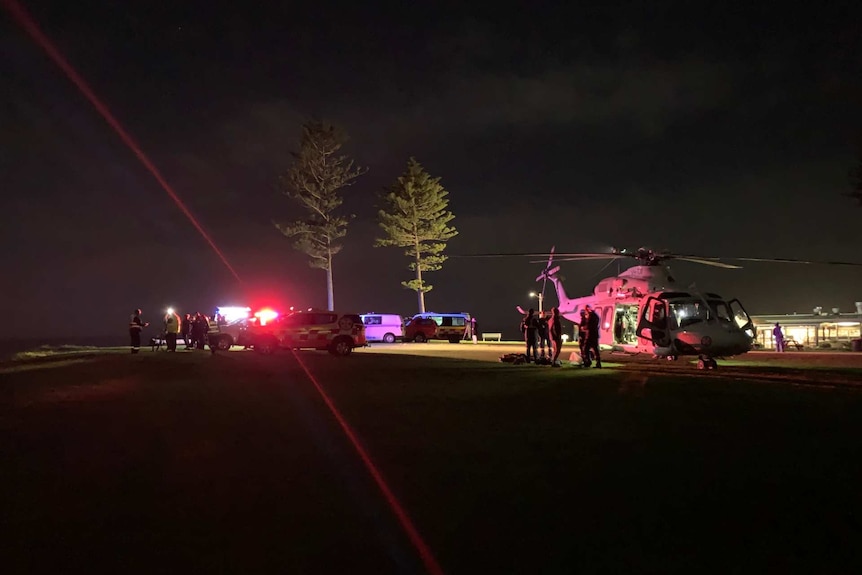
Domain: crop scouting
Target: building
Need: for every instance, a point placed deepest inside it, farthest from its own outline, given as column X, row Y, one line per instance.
column 818, row 329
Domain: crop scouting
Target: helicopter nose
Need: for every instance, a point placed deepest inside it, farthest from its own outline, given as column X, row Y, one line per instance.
column 735, row 343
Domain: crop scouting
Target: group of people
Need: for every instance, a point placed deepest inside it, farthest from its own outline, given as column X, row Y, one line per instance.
column 544, row 332
column 193, row 329
column 540, row 331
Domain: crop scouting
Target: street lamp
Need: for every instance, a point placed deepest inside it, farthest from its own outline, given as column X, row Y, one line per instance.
column 541, row 298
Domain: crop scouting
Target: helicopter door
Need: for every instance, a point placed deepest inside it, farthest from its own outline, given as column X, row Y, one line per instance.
column 741, row 317
column 653, row 318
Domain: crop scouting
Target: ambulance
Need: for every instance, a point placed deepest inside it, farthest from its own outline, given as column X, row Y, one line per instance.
column 450, row 326
column 385, row 327
column 338, row 333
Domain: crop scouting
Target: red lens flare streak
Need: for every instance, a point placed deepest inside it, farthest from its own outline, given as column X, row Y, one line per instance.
column 29, row 25
column 20, row 15
column 412, row 533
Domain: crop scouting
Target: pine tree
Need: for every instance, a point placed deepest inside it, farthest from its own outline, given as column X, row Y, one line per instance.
column 314, row 181
column 414, row 216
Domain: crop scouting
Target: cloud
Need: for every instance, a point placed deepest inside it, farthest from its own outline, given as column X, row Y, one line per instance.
column 263, row 134
column 648, row 96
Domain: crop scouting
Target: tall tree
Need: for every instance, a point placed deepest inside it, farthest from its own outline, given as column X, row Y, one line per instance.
column 314, row 181
column 414, row 216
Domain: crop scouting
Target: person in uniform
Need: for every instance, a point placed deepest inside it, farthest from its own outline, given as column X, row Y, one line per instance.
column 529, row 327
column 136, row 326
column 542, row 332
column 199, row 331
column 555, row 330
column 582, row 339
column 172, row 328
column 592, row 337
column 187, row 330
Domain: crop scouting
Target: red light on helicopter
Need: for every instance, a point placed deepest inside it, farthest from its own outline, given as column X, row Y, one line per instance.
column 265, row 315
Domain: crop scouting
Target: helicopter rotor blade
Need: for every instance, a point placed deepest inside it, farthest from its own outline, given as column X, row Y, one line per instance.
column 554, row 256
column 792, row 261
column 591, row 257
column 708, row 262
column 539, row 255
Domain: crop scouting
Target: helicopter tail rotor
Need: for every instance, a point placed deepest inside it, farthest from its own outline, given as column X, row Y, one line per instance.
column 548, row 271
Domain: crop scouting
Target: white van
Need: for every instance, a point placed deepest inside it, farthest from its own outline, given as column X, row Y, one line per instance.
column 385, row 327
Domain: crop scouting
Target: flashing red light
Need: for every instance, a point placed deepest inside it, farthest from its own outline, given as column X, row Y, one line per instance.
column 265, row 315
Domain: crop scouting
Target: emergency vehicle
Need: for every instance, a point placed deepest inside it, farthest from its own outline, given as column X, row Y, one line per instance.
column 385, row 327
column 450, row 326
column 338, row 333
column 228, row 327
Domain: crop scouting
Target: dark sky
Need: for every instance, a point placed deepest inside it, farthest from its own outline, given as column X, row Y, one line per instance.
column 726, row 130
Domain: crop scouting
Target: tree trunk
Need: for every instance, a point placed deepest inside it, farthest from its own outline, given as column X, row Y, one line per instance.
column 420, row 291
column 330, row 292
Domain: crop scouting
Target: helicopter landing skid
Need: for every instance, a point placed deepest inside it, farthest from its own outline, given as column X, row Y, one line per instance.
column 704, row 362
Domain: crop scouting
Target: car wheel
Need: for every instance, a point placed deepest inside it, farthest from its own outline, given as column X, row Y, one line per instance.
column 420, row 338
column 223, row 343
column 342, row 346
column 389, row 338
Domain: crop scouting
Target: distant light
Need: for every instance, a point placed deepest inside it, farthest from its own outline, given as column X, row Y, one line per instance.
column 532, row 294
column 170, row 311
column 265, row 315
column 232, row 312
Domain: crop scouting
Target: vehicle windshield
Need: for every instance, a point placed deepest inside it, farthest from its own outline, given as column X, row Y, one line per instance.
column 689, row 311
column 720, row 310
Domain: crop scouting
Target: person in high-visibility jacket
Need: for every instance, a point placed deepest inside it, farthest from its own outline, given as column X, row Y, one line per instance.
column 136, row 326
column 172, row 328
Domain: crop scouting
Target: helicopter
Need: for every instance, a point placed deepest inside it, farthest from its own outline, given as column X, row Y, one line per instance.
column 643, row 310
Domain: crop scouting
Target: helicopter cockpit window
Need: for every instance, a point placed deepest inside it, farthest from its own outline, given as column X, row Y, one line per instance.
column 721, row 310
column 685, row 313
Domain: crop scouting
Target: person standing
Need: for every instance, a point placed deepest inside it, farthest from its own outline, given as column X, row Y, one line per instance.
column 592, row 337
column 582, row 339
column 529, row 326
column 172, row 328
column 555, row 331
column 187, row 331
column 199, row 331
column 542, row 333
column 136, row 326
column 779, row 337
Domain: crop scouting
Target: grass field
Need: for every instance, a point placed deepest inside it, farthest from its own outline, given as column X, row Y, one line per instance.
column 190, row 462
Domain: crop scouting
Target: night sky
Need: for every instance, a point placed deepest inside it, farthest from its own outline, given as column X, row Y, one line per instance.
column 720, row 131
